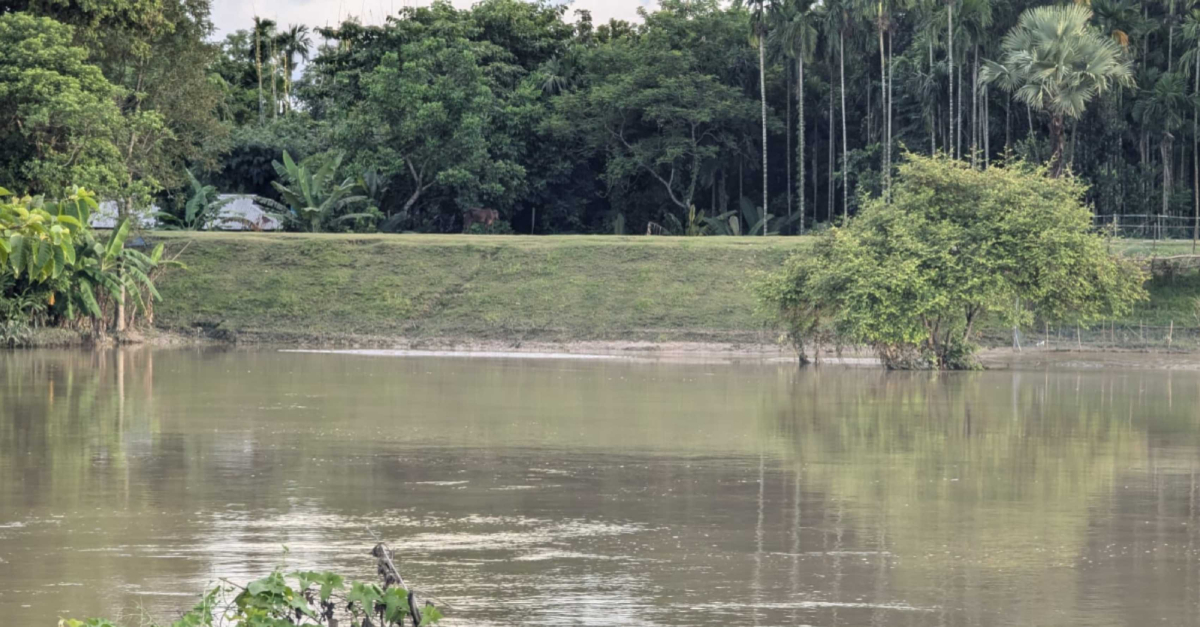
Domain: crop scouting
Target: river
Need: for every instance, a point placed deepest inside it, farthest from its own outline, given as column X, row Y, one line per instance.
column 602, row 492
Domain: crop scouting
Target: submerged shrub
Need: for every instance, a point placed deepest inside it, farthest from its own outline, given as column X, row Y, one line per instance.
column 915, row 279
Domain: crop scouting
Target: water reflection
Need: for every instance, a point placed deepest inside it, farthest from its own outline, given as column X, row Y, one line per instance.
column 600, row 492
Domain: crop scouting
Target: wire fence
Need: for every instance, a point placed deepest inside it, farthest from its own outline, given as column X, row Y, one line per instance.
column 1143, row 226
column 1108, row 335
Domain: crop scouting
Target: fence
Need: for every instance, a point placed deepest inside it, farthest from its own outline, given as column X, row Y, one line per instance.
column 1108, row 336
column 1142, row 226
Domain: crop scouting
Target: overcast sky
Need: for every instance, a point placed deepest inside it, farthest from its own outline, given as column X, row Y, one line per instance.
column 231, row 15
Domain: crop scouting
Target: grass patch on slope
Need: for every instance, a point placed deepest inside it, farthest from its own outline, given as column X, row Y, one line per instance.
column 299, row 286
column 568, row 287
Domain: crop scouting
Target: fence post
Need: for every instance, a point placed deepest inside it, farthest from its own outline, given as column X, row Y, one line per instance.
column 1078, row 342
column 1170, row 334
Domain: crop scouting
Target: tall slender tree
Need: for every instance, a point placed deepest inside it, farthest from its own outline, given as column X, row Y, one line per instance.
column 880, row 13
column 760, row 23
column 293, row 42
column 1191, row 34
column 837, row 22
column 797, row 36
column 1161, row 108
column 263, row 29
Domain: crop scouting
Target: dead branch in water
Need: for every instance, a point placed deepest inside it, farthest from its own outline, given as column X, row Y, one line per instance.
column 386, row 567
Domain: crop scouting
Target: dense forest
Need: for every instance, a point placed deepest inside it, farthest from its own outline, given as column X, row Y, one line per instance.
column 692, row 120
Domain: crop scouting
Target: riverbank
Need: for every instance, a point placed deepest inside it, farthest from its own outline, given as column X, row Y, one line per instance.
column 347, row 289
column 570, row 294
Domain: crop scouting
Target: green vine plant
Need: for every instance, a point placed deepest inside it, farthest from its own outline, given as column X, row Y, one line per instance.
column 304, row 598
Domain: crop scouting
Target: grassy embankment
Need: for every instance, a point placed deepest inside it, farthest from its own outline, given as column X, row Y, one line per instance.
column 294, row 287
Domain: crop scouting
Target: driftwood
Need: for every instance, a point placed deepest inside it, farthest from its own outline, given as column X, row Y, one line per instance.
column 391, row 577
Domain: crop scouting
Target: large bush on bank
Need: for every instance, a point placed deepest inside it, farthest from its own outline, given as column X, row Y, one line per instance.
column 916, row 279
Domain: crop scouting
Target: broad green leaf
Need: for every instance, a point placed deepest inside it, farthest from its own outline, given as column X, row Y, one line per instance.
column 16, row 258
column 117, row 241
column 60, row 260
column 88, row 297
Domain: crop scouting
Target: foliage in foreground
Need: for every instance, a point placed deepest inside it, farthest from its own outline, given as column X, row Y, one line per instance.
column 916, row 279
column 53, row 269
column 302, row 598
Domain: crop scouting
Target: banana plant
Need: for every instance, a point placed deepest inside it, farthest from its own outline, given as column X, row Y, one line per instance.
column 109, row 269
column 201, row 210
column 38, row 239
column 312, row 199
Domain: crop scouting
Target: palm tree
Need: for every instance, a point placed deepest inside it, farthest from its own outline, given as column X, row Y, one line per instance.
column 759, row 22
column 293, row 42
column 275, row 47
column 1161, row 108
column 837, row 20
column 950, row 72
column 975, row 18
column 263, row 29
column 927, row 30
column 1060, row 64
column 880, row 13
column 797, row 37
column 1191, row 34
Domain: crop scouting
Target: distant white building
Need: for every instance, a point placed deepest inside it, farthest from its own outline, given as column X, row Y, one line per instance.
column 246, row 216
column 241, row 214
column 105, row 217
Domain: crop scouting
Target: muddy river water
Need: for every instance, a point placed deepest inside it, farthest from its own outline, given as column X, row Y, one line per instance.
column 603, row 492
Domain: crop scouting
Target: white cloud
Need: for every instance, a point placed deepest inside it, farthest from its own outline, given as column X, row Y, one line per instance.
column 231, row 15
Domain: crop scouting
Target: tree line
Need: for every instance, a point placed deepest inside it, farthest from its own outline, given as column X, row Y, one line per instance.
column 756, row 117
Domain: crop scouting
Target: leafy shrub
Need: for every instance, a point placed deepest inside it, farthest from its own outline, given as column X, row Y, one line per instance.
column 313, row 200
column 915, row 278
column 499, row 227
column 53, row 268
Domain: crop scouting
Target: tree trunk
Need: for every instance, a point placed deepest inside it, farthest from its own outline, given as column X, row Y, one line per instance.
column 1030, row 136
column 1166, row 148
column 762, row 86
column 958, row 110
column 287, row 84
column 1196, row 160
column 845, row 143
column 950, row 67
column 987, row 130
column 1007, row 127
column 975, row 111
column 1058, row 144
column 120, row 321
column 258, row 68
column 832, row 135
column 1170, row 33
column 933, row 124
column 274, row 80
column 800, row 131
column 883, row 159
column 890, row 81
column 816, row 187
column 788, row 136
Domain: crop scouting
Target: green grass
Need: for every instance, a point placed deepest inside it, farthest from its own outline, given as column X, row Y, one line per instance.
column 567, row 288
column 297, row 286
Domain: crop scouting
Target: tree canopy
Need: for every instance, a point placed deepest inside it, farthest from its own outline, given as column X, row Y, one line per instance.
column 563, row 124
column 60, row 120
